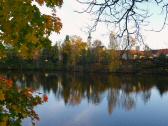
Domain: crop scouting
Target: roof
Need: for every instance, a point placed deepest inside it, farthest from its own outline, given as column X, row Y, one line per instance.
column 153, row 52
column 163, row 51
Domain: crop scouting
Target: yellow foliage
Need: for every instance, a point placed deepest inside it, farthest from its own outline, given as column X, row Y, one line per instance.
column 23, row 52
column 30, row 37
column 2, row 96
column 57, row 25
column 115, row 61
column 16, row 108
column 22, row 23
column 3, row 123
column 53, row 23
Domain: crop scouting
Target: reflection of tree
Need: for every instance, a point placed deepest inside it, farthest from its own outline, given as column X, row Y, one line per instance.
column 117, row 98
column 127, row 100
column 75, row 98
column 112, row 98
column 146, row 96
column 72, row 88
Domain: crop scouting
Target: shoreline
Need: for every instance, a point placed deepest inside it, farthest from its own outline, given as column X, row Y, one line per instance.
column 133, row 72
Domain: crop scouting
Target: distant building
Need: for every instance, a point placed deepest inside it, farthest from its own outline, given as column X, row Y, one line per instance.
column 137, row 48
column 157, row 53
column 132, row 54
column 137, row 54
column 67, row 38
column 146, row 48
column 112, row 41
column 89, row 40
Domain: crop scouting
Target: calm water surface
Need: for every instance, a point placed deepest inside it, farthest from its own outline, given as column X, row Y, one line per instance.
column 98, row 100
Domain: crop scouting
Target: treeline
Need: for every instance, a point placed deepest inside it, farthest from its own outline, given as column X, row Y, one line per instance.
column 76, row 55
column 73, row 55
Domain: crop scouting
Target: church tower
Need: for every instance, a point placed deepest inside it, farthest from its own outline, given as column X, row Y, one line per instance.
column 89, row 40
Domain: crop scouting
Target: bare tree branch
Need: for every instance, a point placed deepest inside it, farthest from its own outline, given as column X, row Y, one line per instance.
column 129, row 16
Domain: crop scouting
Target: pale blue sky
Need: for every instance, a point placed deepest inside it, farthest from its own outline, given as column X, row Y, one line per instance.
column 75, row 24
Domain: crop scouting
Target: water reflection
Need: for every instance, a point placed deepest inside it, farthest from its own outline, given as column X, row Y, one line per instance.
column 120, row 91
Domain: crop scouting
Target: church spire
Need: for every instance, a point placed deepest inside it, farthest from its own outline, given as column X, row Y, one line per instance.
column 89, row 39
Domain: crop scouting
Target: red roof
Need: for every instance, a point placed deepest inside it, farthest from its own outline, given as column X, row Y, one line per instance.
column 163, row 51
column 153, row 52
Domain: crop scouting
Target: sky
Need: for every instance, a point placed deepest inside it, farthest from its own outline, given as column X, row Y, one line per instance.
column 76, row 24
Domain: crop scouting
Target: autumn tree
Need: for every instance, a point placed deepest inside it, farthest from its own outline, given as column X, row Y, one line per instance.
column 24, row 27
column 72, row 50
column 12, row 113
column 112, row 56
column 55, row 53
column 98, row 51
column 78, row 49
column 114, row 60
column 66, row 51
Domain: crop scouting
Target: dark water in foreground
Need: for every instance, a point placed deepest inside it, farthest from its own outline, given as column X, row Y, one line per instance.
column 98, row 100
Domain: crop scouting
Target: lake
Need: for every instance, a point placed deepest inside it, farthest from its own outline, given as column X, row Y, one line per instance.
column 97, row 99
